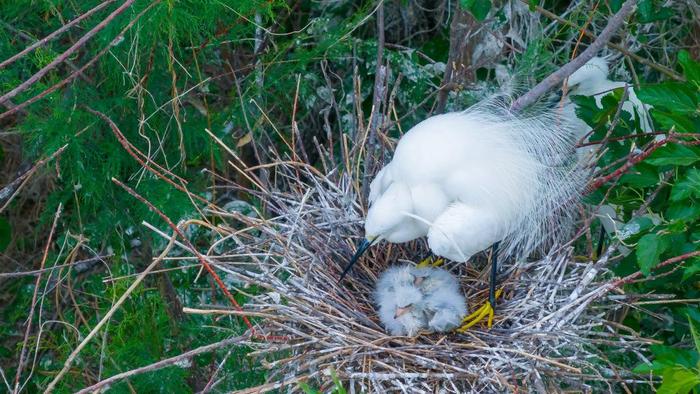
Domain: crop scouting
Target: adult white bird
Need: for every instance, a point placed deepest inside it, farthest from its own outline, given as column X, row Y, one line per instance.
column 470, row 179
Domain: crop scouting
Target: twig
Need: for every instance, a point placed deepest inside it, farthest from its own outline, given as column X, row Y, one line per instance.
column 43, row 41
column 162, row 363
column 74, row 75
column 74, row 354
column 600, row 181
column 201, row 259
column 60, row 58
column 23, row 352
column 29, row 38
column 380, row 76
column 10, row 191
column 631, row 277
column 617, row 47
column 558, row 76
column 74, row 264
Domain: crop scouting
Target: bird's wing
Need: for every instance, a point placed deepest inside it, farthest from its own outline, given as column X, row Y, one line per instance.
column 463, row 230
column 380, row 183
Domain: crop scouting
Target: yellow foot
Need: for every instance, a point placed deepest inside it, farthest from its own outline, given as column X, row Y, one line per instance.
column 430, row 261
column 479, row 315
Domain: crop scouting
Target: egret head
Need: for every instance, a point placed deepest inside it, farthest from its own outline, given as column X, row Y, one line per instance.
column 385, row 216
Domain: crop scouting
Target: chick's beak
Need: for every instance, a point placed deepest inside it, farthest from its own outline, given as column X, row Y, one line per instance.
column 361, row 249
column 401, row 311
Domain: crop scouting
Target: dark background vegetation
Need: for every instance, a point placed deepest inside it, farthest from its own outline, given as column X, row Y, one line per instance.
column 257, row 73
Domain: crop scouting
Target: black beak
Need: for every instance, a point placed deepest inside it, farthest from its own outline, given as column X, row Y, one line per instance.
column 361, row 249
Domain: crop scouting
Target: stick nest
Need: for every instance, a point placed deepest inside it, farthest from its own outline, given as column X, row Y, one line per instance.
column 551, row 323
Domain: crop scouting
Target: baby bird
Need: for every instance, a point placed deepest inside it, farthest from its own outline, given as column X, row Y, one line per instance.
column 400, row 302
column 411, row 299
column 443, row 302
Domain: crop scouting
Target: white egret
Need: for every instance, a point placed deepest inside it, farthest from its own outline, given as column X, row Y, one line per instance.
column 471, row 179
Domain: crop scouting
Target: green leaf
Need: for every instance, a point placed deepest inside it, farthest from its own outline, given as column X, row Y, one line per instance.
column 695, row 333
column 688, row 186
column 532, row 5
column 5, row 233
column 678, row 380
column 649, row 249
column 478, row 8
column 683, row 211
column 677, row 96
column 673, row 154
column 691, row 68
column 641, row 175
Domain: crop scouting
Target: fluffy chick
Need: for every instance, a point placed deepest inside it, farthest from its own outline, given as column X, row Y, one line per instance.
column 443, row 302
column 400, row 302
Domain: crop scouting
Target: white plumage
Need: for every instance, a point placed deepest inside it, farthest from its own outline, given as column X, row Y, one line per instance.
column 592, row 80
column 467, row 180
column 400, row 302
column 444, row 304
column 413, row 299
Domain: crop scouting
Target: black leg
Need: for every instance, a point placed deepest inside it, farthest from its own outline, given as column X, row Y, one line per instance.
column 601, row 242
column 494, row 269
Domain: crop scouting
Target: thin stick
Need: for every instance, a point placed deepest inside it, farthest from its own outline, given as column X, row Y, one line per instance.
column 23, row 352
column 55, row 34
column 380, row 76
column 631, row 277
column 12, row 189
column 162, row 363
column 556, row 78
column 74, row 354
column 612, row 45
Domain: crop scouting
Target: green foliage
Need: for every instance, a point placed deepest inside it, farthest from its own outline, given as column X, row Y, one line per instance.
column 191, row 65
column 670, row 224
column 478, row 8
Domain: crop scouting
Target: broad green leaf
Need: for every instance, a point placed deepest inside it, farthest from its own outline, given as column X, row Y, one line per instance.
column 673, row 154
column 683, row 211
column 691, row 68
column 678, row 380
column 695, row 333
column 676, row 96
column 645, row 10
column 478, row 8
column 649, row 249
column 532, row 5
column 687, row 186
column 692, row 268
column 641, row 175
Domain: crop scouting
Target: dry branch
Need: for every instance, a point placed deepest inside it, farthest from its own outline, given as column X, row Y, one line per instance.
column 62, row 57
column 56, row 33
column 557, row 77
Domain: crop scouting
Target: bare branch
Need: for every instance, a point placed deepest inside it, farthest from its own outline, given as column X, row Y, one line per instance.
column 556, row 78
column 62, row 57
column 53, row 35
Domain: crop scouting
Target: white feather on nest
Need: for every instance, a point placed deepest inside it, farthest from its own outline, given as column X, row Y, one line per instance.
column 547, row 333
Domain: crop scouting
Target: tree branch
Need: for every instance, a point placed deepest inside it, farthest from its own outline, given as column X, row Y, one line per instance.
column 556, row 78
column 62, row 57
